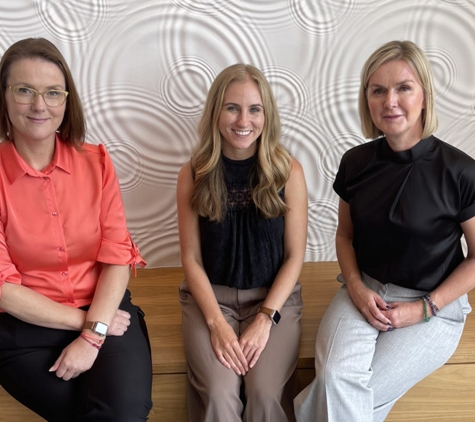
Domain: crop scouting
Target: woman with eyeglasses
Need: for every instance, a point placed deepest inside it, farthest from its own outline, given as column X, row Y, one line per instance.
column 72, row 345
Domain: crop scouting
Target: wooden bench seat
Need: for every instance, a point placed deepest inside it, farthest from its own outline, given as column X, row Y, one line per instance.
column 448, row 395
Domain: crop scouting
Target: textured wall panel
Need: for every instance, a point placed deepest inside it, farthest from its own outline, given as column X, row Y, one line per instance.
column 143, row 69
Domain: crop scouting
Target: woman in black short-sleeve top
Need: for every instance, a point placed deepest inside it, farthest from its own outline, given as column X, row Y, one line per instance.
column 406, row 198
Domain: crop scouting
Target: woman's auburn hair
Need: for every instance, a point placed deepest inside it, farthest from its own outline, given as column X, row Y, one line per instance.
column 209, row 196
column 73, row 127
column 418, row 62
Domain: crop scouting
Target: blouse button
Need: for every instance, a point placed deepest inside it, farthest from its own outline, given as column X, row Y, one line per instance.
column 61, row 249
column 64, row 273
column 54, row 213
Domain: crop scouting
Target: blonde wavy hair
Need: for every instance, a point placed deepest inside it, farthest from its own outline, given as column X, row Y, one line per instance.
column 209, row 196
column 415, row 58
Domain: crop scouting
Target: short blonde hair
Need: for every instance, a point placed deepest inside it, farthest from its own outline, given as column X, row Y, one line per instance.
column 416, row 59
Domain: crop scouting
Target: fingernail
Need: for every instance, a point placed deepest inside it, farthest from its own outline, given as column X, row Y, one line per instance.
column 389, row 323
column 388, row 307
column 390, row 328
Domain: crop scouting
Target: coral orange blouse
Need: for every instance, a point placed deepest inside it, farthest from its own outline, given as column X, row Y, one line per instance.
column 57, row 226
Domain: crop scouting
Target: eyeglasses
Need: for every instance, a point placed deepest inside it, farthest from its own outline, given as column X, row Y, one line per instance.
column 25, row 95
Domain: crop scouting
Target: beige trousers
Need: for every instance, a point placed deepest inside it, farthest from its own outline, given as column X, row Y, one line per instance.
column 217, row 394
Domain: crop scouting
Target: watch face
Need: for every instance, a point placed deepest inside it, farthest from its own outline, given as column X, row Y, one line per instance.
column 276, row 317
column 100, row 328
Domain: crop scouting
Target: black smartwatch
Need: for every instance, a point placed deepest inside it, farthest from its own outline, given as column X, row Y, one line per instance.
column 273, row 314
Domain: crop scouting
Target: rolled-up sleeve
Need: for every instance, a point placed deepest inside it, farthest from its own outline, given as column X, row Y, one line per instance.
column 8, row 271
column 116, row 246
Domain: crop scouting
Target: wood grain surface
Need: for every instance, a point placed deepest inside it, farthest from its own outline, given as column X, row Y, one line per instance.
column 448, row 395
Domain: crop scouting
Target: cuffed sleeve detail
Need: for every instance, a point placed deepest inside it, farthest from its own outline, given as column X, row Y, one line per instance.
column 9, row 274
column 58, row 226
column 121, row 253
column 117, row 246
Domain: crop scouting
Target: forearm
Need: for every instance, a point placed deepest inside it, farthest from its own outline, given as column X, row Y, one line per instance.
column 202, row 292
column 461, row 281
column 347, row 260
column 190, row 247
column 109, row 292
column 34, row 308
column 284, row 283
column 344, row 247
column 294, row 240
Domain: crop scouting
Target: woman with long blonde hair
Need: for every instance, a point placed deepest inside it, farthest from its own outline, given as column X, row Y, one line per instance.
column 242, row 216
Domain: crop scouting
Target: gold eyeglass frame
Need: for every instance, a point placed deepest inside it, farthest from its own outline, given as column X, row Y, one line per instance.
column 38, row 93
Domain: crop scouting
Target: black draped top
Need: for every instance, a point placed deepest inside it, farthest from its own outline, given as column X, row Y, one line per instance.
column 406, row 208
column 244, row 250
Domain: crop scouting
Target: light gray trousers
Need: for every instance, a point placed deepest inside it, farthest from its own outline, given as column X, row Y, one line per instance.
column 214, row 392
column 361, row 371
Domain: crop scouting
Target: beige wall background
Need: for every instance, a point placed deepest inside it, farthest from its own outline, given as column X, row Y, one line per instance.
column 143, row 69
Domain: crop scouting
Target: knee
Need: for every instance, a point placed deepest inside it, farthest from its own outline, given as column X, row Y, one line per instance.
column 325, row 370
column 339, row 372
column 221, row 402
column 133, row 411
column 263, row 395
column 263, row 399
column 138, row 406
column 218, row 392
column 133, row 405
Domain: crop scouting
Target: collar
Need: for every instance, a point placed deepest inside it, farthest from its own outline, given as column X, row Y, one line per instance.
column 418, row 151
column 15, row 167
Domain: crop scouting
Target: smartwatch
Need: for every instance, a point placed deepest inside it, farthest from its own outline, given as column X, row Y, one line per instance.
column 273, row 314
column 97, row 327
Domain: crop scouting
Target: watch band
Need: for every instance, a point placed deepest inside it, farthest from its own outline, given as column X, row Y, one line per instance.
column 97, row 327
column 273, row 314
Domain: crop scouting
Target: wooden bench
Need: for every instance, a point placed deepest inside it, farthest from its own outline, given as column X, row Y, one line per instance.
column 448, row 395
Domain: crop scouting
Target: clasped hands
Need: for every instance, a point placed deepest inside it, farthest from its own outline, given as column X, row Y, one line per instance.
column 382, row 315
column 241, row 354
column 79, row 356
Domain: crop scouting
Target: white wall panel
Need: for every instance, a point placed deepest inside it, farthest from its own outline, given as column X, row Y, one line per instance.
column 143, row 69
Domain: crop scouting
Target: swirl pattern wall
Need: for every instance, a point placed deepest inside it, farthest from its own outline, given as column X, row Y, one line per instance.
column 143, row 68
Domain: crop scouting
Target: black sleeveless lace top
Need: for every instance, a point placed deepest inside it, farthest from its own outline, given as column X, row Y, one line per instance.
column 244, row 250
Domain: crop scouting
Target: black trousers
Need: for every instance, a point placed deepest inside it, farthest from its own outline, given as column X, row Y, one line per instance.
column 117, row 388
